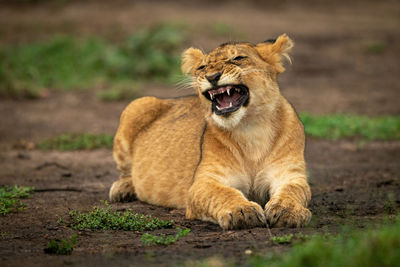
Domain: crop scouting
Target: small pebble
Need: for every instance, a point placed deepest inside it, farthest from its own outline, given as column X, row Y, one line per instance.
column 248, row 252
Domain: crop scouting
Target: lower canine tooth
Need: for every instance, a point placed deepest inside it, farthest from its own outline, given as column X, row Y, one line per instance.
column 230, row 104
column 218, row 108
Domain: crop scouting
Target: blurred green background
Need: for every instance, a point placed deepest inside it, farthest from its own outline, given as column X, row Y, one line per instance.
column 342, row 64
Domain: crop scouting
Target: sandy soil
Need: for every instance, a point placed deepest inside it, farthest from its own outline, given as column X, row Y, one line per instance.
column 352, row 183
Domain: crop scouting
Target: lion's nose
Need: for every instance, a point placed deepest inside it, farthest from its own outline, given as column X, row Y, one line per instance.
column 214, row 78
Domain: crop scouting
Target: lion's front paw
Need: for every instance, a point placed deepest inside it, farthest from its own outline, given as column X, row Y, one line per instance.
column 286, row 213
column 122, row 190
column 244, row 215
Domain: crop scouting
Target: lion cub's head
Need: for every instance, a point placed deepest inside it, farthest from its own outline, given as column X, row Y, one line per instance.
column 237, row 80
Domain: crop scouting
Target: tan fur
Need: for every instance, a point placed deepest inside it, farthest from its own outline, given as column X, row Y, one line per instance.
column 239, row 171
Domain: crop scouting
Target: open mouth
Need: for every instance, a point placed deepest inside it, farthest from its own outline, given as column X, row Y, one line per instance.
column 228, row 98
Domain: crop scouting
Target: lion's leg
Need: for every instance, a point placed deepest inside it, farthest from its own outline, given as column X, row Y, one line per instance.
column 289, row 195
column 137, row 115
column 122, row 190
column 212, row 201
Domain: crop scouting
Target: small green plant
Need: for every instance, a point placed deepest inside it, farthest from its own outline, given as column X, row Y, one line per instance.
column 4, row 235
column 106, row 219
column 77, row 142
column 10, row 198
column 149, row 239
column 289, row 239
column 61, row 247
column 284, row 239
column 60, row 220
column 348, row 126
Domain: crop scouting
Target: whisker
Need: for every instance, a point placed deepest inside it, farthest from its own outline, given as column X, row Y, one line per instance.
column 184, row 83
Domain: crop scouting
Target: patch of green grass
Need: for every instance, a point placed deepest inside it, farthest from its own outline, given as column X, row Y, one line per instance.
column 149, row 239
column 284, row 239
column 61, row 63
column 223, row 29
column 61, row 247
column 155, row 52
column 288, row 239
column 10, row 198
column 4, row 235
column 106, row 219
column 376, row 48
column 120, row 91
column 374, row 247
column 348, row 126
column 64, row 63
column 77, row 142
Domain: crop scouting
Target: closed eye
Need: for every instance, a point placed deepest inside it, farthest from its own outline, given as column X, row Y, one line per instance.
column 201, row 67
column 239, row 58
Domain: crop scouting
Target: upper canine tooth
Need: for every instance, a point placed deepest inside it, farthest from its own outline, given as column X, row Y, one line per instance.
column 229, row 91
column 211, row 95
column 237, row 89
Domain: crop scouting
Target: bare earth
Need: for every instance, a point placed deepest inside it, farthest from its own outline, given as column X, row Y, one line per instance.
column 353, row 183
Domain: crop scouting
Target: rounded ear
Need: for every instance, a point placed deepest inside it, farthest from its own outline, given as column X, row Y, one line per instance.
column 191, row 58
column 274, row 51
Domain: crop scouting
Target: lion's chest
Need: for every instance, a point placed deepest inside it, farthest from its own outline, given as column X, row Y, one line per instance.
column 248, row 180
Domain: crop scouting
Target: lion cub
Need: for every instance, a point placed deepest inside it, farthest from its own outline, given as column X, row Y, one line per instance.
column 233, row 154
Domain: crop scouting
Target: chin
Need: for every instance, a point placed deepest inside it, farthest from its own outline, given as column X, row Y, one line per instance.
column 229, row 121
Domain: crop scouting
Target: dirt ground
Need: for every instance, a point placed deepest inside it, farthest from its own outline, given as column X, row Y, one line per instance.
column 353, row 182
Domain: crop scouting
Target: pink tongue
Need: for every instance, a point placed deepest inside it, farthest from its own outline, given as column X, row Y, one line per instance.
column 224, row 100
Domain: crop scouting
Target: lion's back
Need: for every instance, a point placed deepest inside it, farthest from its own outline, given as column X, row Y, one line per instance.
column 165, row 154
